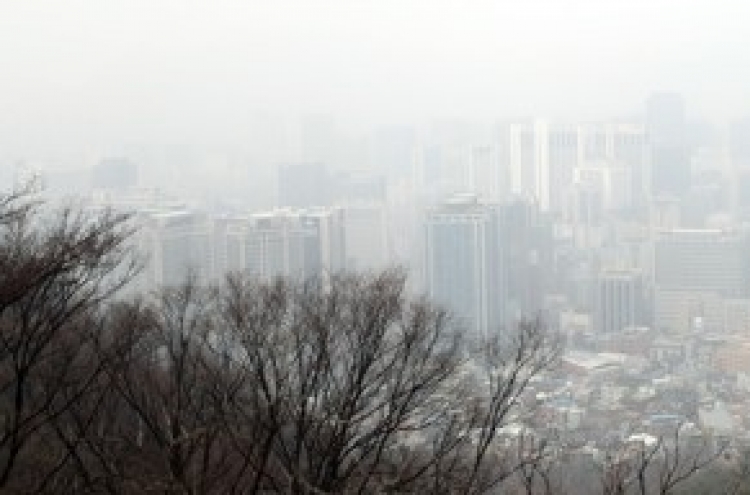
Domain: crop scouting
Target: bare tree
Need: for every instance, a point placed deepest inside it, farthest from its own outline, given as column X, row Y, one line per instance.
column 740, row 474
column 348, row 386
column 509, row 361
column 354, row 387
column 657, row 467
column 171, row 389
column 538, row 467
column 57, row 268
column 338, row 377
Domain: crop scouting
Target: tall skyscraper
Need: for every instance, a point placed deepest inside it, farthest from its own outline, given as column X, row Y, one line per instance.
column 542, row 161
column 528, row 165
column 464, row 263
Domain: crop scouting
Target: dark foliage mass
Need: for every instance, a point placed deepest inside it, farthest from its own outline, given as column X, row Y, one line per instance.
column 341, row 385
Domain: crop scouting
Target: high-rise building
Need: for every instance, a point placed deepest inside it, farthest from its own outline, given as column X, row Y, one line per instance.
column 528, row 165
column 229, row 234
column 328, row 225
column 300, row 244
column 175, row 244
column 694, row 272
column 542, row 161
column 486, row 177
column 703, row 259
column 527, row 248
column 616, row 153
column 283, row 244
column 739, row 147
column 464, row 263
column 619, row 300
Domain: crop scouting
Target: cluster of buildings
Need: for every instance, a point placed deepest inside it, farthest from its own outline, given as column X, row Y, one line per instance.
column 600, row 227
column 629, row 236
column 690, row 389
column 304, row 243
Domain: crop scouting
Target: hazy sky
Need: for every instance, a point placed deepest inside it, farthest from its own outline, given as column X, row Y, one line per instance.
column 99, row 71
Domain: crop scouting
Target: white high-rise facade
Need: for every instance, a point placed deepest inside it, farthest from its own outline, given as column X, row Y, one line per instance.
column 174, row 244
column 293, row 243
column 546, row 161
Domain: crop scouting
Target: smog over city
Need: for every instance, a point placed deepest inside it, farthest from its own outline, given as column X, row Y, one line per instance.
column 359, row 246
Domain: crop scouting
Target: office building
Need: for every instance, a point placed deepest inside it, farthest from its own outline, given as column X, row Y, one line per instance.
column 275, row 243
column 464, row 263
column 300, row 244
column 694, row 272
column 620, row 300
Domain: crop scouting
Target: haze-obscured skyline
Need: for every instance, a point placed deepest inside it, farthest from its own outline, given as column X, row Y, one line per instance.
column 101, row 74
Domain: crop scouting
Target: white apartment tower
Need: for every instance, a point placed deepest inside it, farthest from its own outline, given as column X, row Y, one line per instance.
column 174, row 243
column 291, row 243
